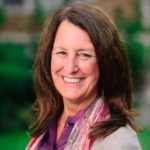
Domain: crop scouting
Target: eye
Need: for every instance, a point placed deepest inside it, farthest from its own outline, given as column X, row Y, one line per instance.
column 84, row 56
column 61, row 53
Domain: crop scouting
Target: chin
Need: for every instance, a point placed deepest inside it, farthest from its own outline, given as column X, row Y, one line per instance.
column 73, row 99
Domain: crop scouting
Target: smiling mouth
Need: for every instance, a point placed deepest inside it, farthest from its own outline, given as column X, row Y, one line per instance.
column 72, row 80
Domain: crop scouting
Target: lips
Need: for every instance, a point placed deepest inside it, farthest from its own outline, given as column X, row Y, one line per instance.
column 71, row 80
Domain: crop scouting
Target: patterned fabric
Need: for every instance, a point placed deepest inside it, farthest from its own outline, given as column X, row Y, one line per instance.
column 34, row 143
column 78, row 139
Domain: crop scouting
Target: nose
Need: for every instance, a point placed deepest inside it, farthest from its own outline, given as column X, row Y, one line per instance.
column 71, row 65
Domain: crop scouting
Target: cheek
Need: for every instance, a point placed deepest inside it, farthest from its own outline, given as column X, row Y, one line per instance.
column 91, row 69
column 55, row 65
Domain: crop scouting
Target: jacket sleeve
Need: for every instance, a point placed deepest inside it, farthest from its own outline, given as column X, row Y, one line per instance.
column 124, row 138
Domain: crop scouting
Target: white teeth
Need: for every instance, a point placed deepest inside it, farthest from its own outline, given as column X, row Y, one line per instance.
column 72, row 80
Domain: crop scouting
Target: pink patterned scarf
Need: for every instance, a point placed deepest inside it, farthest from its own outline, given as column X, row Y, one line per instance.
column 79, row 139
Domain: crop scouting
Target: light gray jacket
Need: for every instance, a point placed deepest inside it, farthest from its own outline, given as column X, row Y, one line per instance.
column 124, row 138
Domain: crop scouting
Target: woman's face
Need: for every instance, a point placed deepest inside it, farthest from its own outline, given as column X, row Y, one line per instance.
column 74, row 66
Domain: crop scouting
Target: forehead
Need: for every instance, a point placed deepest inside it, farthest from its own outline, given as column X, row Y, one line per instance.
column 68, row 27
column 70, row 34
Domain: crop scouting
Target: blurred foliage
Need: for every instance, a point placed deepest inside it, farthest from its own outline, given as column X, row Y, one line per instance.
column 144, row 138
column 16, row 91
column 66, row 2
column 16, row 86
column 128, row 27
column 17, row 140
column 38, row 16
column 2, row 16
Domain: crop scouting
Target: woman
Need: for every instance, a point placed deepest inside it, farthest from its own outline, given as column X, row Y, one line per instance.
column 82, row 84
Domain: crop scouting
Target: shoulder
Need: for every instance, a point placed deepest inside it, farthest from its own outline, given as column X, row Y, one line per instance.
column 124, row 138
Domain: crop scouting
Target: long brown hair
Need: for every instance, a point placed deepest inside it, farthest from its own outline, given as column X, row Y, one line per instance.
column 115, row 79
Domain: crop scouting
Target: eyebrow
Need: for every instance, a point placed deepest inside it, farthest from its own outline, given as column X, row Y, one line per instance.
column 62, row 48
column 86, row 49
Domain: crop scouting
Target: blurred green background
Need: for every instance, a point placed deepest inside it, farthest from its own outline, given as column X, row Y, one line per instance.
column 21, row 22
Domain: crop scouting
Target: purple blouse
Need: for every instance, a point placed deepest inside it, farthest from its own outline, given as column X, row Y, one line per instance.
column 49, row 140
